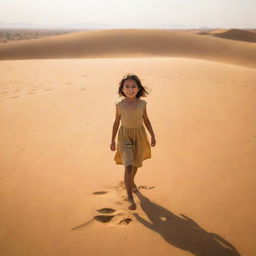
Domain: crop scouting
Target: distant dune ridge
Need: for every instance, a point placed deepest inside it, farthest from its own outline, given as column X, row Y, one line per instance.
column 134, row 43
column 233, row 34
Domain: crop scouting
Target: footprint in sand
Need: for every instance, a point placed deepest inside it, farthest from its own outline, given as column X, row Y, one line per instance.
column 104, row 218
column 99, row 218
column 122, row 186
column 105, row 192
column 108, row 218
column 110, row 215
column 100, row 192
column 106, row 210
column 126, row 221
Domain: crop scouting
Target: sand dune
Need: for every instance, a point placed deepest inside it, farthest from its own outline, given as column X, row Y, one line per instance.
column 238, row 34
column 61, row 191
column 60, row 188
column 234, row 34
column 215, row 31
column 133, row 43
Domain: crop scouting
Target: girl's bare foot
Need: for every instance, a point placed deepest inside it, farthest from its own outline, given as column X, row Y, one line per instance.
column 132, row 205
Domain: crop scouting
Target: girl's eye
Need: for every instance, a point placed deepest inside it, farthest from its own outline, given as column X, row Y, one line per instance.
column 133, row 87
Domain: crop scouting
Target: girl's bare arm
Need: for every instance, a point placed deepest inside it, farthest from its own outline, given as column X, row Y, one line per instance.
column 116, row 124
column 148, row 123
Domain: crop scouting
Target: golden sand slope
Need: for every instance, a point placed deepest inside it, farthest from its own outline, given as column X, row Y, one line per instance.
column 133, row 43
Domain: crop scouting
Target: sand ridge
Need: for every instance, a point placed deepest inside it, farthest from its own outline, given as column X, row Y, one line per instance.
column 233, row 34
column 130, row 43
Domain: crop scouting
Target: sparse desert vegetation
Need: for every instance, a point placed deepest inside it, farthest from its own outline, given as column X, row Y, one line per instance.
column 10, row 35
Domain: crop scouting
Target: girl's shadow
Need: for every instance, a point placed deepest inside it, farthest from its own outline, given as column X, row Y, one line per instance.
column 183, row 232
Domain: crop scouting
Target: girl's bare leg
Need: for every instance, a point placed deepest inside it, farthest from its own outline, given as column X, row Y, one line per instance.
column 134, row 187
column 128, row 183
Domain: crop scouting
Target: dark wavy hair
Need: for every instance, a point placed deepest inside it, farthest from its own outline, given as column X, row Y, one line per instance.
column 142, row 91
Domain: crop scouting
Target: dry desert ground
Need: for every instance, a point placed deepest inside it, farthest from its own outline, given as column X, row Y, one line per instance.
column 61, row 191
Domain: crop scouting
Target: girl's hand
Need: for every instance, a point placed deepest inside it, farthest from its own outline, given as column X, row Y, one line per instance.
column 113, row 146
column 153, row 141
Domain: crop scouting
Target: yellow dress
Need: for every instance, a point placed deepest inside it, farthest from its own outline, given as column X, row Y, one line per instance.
column 132, row 142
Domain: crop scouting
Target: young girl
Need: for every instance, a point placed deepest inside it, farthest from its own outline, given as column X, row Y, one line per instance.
column 132, row 144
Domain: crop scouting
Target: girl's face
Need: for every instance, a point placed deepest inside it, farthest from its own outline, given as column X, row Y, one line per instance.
column 130, row 88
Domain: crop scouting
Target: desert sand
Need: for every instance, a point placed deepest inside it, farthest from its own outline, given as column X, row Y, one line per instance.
column 61, row 191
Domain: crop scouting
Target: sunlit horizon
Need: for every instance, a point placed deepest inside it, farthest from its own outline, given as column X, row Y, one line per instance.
column 112, row 14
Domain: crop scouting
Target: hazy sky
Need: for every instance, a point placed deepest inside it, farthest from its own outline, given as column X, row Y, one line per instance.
column 132, row 13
